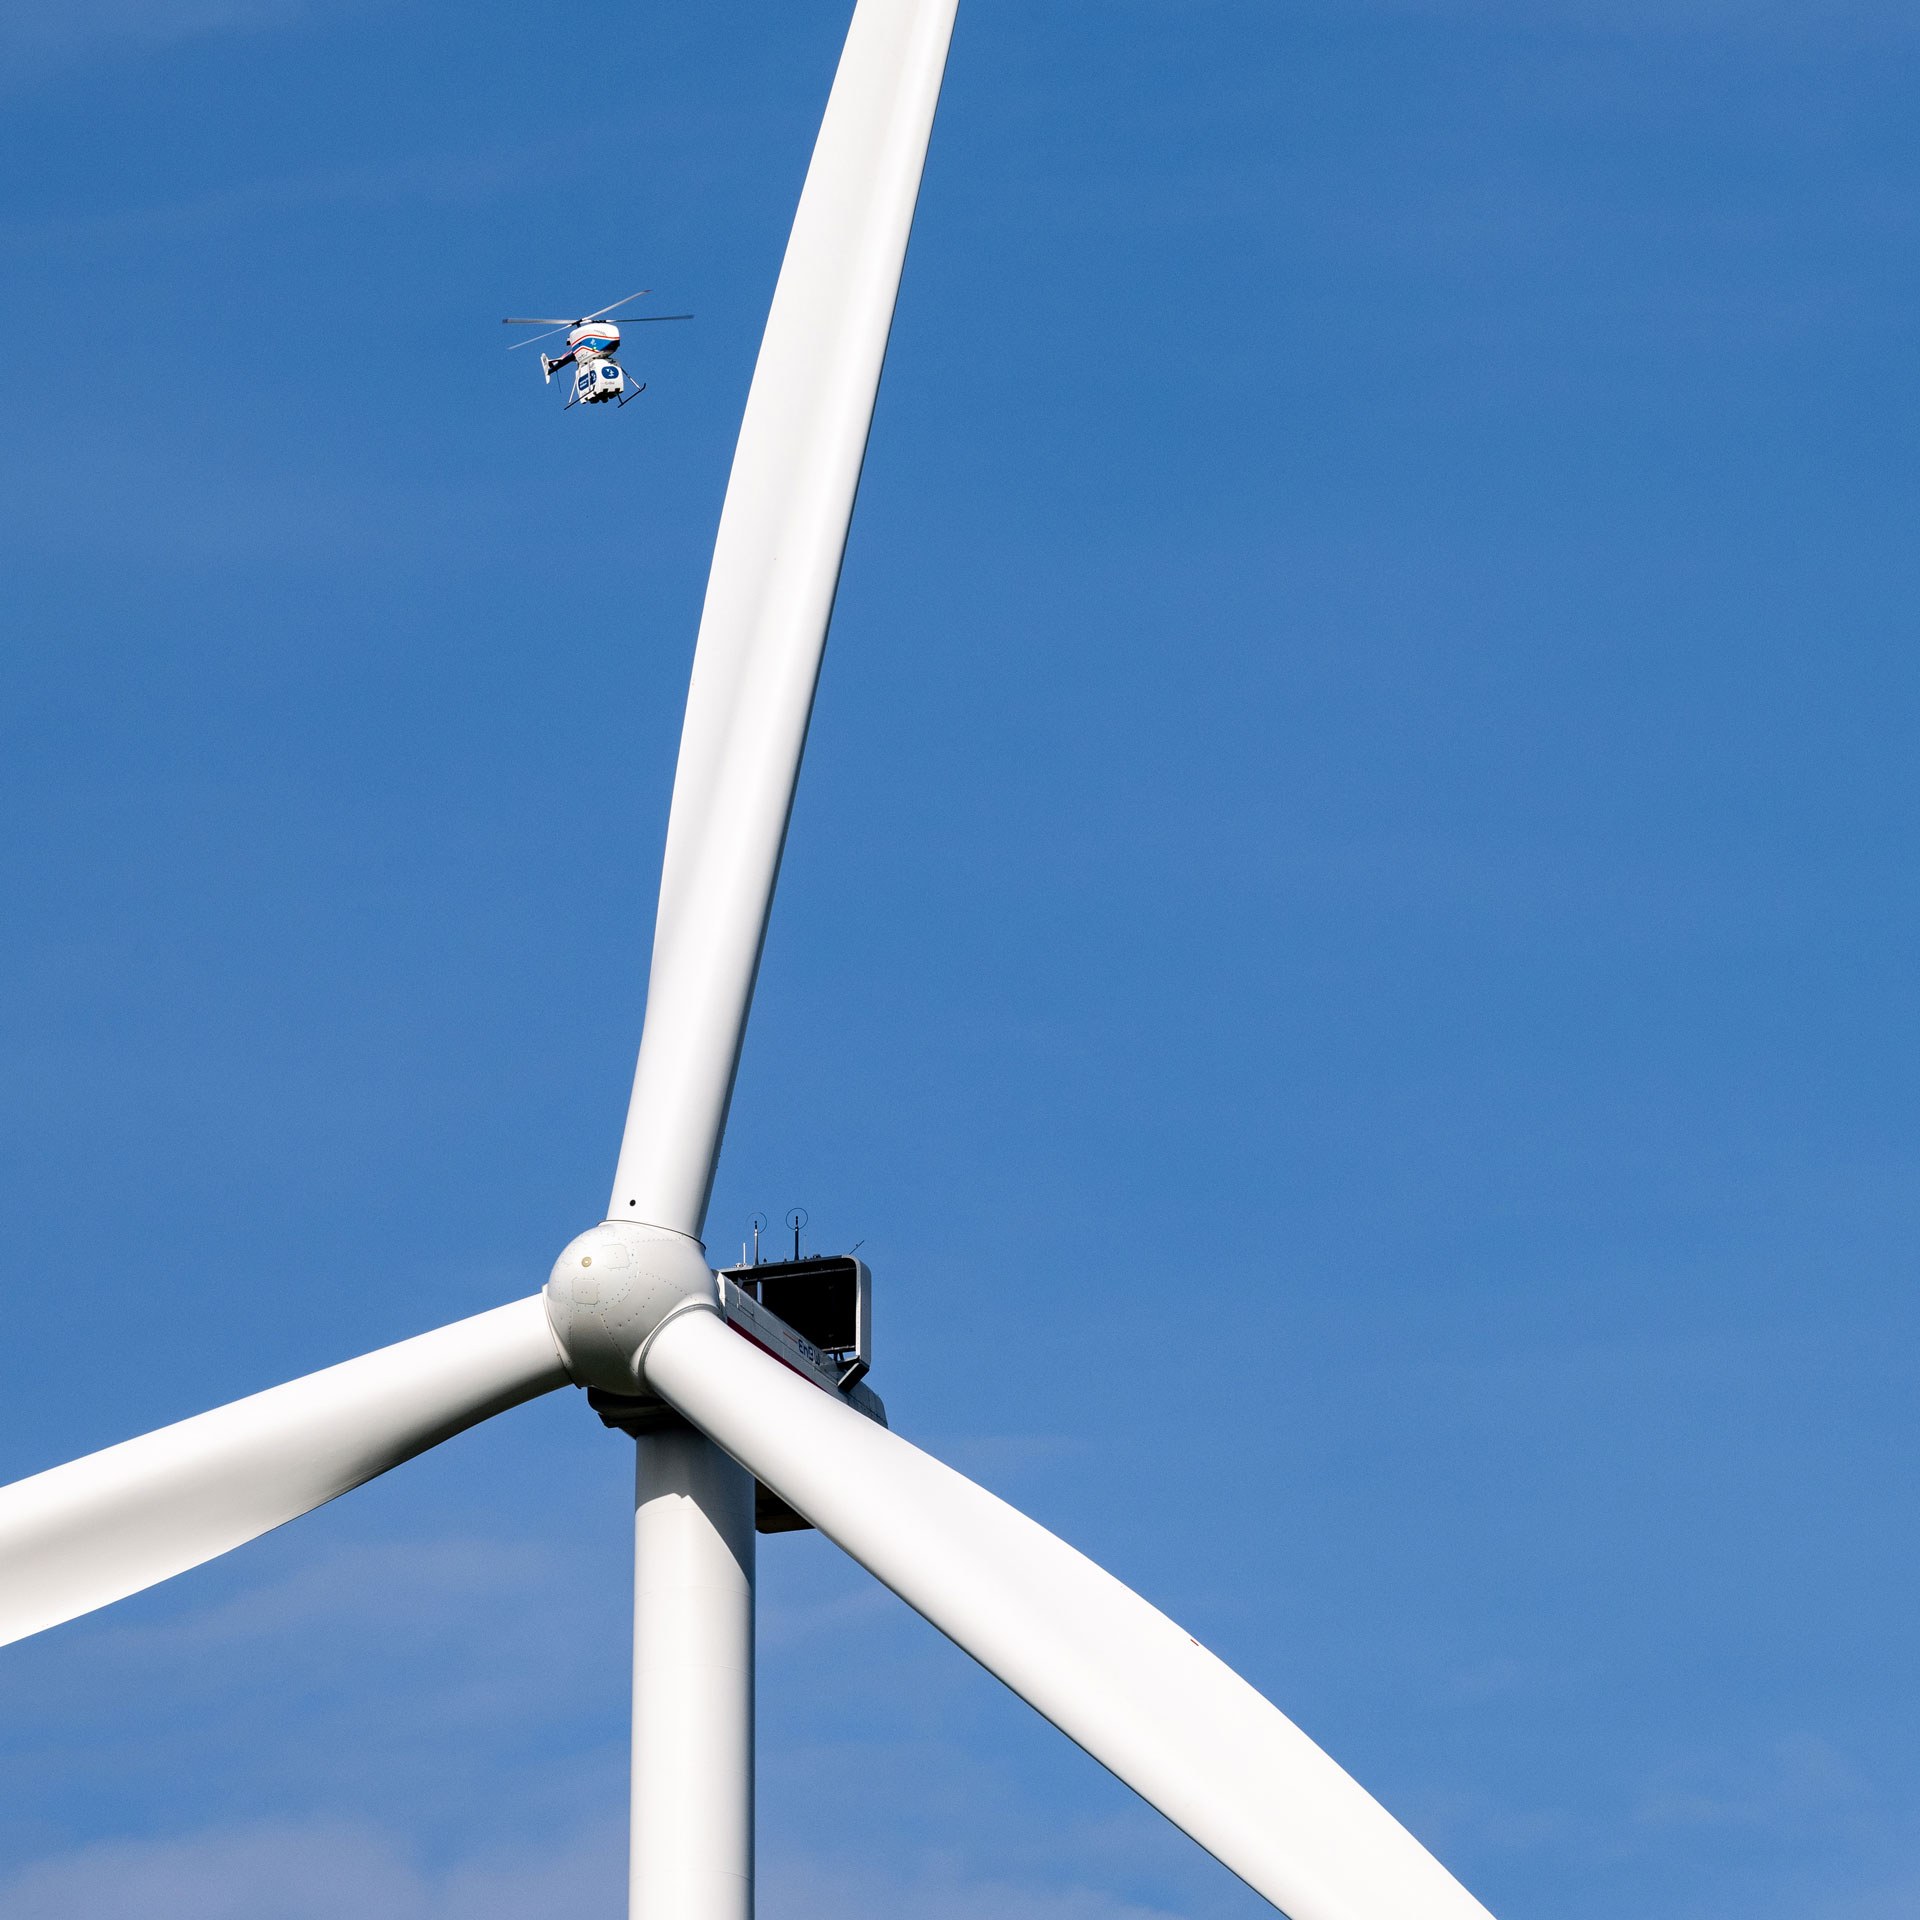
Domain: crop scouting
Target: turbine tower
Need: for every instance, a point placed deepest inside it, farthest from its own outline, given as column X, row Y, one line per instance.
column 727, row 1400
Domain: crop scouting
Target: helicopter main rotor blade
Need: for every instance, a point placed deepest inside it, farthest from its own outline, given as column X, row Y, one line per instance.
column 776, row 565
column 647, row 319
column 536, row 320
column 97, row 1529
column 1112, row 1672
column 621, row 302
column 565, row 326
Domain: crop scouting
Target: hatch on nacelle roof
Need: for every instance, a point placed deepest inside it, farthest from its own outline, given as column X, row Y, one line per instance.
column 826, row 1299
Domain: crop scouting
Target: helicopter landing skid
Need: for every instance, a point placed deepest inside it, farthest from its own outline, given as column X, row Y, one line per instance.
column 633, row 393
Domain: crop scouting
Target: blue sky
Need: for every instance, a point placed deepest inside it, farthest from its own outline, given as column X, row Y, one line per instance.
column 1347, row 946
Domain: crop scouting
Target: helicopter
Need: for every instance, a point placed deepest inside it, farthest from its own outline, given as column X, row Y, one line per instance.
column 592, row 341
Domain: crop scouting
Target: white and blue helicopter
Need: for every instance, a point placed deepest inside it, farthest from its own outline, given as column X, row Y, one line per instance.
column 592, row 341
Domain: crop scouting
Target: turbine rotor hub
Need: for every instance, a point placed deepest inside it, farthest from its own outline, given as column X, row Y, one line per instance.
column 613, row 1288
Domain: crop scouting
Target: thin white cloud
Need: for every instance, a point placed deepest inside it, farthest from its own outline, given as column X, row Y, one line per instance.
column 430, row 1585
column 1673, row 16
column 1899, row 1900
column 49, row 34
column 346, row 1871
column 313, row 1870
column 810, row 1890
column 1794, row 1780
column 265, row 1873
column 791, row 1623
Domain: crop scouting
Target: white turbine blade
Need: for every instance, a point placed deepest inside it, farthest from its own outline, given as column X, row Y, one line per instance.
column 97, row 1529
column 776, row 563
column 1112, row 1673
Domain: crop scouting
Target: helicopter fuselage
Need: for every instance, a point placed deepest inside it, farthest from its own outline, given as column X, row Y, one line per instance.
column 592, row 342
column 597, row 375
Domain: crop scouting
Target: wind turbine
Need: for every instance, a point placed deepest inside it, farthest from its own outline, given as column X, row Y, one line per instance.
column 719, row 1394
